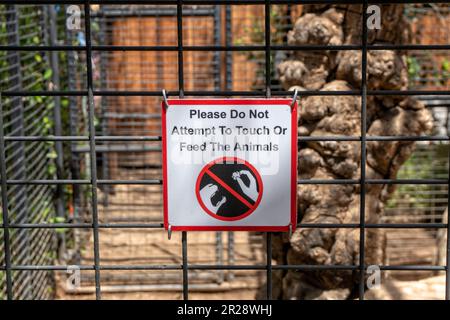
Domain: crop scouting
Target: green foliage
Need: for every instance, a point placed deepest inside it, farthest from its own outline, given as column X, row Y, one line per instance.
column 36, row 75
column 413, row 67
column 55, row 220
column 47, row 74
column 445, row 70
column 418, row 73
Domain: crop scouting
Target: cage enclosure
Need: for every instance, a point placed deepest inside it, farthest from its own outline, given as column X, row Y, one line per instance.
column 81, row 181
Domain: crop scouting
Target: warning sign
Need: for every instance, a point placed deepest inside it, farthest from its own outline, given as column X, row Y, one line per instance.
column 229, row 189
column 230, row 164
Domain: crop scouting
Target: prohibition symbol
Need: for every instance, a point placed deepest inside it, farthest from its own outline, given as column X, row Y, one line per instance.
column 229, row 189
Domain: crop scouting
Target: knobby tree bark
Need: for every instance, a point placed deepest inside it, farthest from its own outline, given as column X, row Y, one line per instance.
column 341, row 115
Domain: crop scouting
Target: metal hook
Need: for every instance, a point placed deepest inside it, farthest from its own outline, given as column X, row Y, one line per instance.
column 268, row 92
column 169, row 232
column 290, row 230
column 166, row 103
column 294, row 98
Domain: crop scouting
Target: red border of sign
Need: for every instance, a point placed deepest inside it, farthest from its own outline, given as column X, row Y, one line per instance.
column 284, row 102
column 234, row 160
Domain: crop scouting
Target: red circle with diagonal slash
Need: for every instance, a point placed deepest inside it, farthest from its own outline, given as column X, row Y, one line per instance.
column 231, row 160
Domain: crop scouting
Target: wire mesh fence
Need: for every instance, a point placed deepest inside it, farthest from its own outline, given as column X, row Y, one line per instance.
column 22, row 116
column 90, row 195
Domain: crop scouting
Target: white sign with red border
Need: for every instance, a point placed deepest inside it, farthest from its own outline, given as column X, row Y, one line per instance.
column 229, row 164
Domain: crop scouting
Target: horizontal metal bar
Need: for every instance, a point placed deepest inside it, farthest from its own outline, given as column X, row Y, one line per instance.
column 328, row 181
column 85, row 225
column 151, row 12
column 300, row 181
column 55, row 93
column 42, row 48
column 48, row 182
column 159, row 138
column 46, row 138
column 238, row 48
column 374, row 138
column 85, row 181
column 375, row 225
column 406, row 92
column 118, row 93
column 161, row 225
column 408, row 181
column 356, row 267
column 91, row 267
column 219, row 267
column 128, row 138
column 124, row 115
column 409, row 47
column 374, row 181
column 118, row 148
column 413, row 268
column 82, row 138
column 131, row 182
column 264, row 267
column 203, row 2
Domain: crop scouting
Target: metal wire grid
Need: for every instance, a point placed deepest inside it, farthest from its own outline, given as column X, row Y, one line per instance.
column 29, row 116
column 428, row 69
column 148, row 25
column 93, row 182
column 418, row 204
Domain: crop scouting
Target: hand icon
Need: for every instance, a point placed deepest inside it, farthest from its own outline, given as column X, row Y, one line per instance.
column 206, row 193
column 250, row 190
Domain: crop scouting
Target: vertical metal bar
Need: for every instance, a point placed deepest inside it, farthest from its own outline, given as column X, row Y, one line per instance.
column 5, row 218
column 104, row 104
column 362, row 215
column 180, row 47
column 268, row 95
column 230, row 275
column 37, row 282
column 267, row 46
column 73, row 129
column 93, row 158
column 181, row 89
column 269, row 264
column 447, row 251
column 447, row 264
column 217, row 42
column 228, row 54
column 219, row 255
column 447, row 244
column 185, row 266
column 57, row 128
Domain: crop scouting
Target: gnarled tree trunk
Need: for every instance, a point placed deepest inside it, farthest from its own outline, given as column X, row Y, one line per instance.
column 341, row 115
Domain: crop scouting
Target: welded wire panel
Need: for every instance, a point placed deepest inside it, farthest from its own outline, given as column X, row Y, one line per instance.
column 429, row 69
column 23, row 25
column 112, row 68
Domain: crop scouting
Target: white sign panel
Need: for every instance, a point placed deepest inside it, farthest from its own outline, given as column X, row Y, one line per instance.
column 230, row 164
